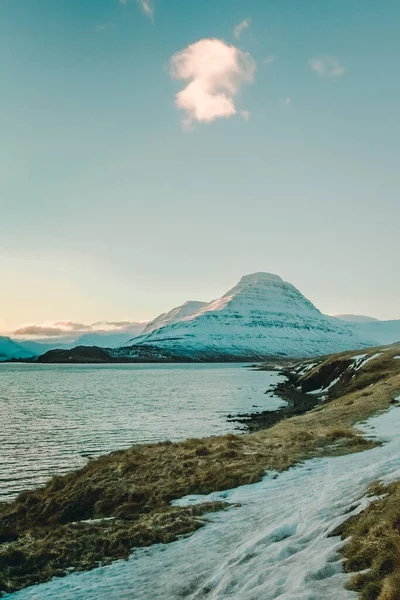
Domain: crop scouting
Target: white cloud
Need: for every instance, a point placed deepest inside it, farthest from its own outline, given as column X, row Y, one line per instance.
column 147, row 7
column 71, row 329
column 215, row 71
column 287, row 101
column 268, row 60
column 245, row 24
column 327, row 66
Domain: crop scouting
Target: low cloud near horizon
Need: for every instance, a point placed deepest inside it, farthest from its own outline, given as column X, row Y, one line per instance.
column 60, row 329
column 215, row 71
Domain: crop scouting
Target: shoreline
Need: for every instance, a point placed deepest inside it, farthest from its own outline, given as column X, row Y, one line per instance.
column 62, row 357
column 297, row 403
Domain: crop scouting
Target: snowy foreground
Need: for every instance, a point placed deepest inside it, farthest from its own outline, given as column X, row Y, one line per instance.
column 274, row 545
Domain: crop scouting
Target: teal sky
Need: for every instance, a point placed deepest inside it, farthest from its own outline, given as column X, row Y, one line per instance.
column 110, row 209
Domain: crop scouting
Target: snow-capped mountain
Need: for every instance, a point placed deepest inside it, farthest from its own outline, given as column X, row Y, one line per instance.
column 356, row 318
column 107, row 339
column 180, row 313
column 382, row 332
column 368, row 328
column 11, row 349
column 262, row 315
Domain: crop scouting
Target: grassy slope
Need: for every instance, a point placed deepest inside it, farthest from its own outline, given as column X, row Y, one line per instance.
column 374, row 546
column 42, row 533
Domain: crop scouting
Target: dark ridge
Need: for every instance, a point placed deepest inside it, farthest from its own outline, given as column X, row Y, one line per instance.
column 95, row 354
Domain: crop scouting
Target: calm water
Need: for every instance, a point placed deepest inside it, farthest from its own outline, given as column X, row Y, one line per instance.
column 53, row 417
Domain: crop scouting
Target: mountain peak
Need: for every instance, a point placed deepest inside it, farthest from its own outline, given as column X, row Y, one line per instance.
column 259, row 277
column 179, row 313
column 264, row 291
column 192, row 303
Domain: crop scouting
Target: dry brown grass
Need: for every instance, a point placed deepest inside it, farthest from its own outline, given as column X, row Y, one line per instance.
column 135, row 486
column 375, row 545
column 39, row 555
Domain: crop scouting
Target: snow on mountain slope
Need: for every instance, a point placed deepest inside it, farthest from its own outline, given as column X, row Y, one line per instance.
column 37, row 348
column 10, row 349
column 356, row 318
column 262, row 315
column 180, row 313
column 382, row 332
column 368, row 328
column 107, row 339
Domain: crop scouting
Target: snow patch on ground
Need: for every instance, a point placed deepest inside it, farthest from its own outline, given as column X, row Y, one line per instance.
column 94, row 521
column 358, row 357
column 361, row 363
column 328, row 387
column 319, row 391
column 302, row 371
column 333, row 383
column 273, row 542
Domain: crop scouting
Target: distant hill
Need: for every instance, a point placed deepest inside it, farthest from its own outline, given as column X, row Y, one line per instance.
column 10, row 349
column 382, row 332
column 93, row 354
column 368, row 328
column 80, row 354
column 108, row 339
column 356, row 318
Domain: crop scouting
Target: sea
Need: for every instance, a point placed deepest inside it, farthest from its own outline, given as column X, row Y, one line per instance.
column 54, row 418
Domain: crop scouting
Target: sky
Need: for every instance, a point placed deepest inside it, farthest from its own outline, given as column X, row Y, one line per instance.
column 154, row 151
